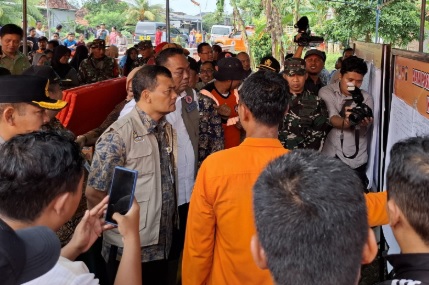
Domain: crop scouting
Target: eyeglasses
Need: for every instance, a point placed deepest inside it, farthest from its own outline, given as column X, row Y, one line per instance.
column 208, row 71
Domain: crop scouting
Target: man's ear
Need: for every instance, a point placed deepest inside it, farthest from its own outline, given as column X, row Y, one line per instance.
column 244, row 113
column 145, row 95
column 8, row 115
column 393, row 212
column 59, row 202
column 370, row 248
column 258, row 253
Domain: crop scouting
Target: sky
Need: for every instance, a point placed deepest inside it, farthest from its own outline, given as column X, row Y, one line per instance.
column 187, row 7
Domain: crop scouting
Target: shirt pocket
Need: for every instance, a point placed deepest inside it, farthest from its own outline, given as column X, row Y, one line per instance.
column 141, row 158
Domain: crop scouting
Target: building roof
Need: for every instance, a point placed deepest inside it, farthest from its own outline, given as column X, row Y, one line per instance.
column 57, row 4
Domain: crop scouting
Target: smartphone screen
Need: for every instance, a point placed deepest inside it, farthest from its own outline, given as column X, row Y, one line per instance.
column 121, row 192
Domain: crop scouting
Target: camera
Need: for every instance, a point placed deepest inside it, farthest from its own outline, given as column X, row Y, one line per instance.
column 361, row 111
column 304, row 30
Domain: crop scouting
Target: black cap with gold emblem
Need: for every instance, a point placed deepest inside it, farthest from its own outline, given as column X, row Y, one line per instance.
column 28, row 89
column 269, row 63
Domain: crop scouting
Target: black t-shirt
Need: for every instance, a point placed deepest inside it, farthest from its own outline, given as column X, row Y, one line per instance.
column 313, row 87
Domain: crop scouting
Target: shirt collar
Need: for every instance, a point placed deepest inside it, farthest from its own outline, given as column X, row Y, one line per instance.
column 410, row 265
column 150, row 123
column 261, row 142
column 17, row 55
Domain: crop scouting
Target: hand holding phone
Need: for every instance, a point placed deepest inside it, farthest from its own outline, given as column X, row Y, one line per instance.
column 121, row 192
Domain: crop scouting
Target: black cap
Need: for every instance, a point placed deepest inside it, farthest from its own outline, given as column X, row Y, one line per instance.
column 321, row 54
column 28, row 89
column 43, row 71
column 230, row 68
column 97, row 43
column 26, row 254
column 294, row 65
column 269, row 63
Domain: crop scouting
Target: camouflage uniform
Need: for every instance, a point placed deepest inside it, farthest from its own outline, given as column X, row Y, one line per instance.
column 306, row 124
column 93, row 70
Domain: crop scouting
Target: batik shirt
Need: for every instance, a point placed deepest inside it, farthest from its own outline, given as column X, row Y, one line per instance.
column 306, row 123
column 109, row 144
column 210, row 129
column 93, row 70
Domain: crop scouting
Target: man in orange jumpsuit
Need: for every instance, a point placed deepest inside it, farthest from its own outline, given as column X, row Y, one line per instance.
column 229, row 75
column 220, row 221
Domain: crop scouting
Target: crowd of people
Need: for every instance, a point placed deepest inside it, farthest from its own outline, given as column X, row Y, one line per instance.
column 244, row 176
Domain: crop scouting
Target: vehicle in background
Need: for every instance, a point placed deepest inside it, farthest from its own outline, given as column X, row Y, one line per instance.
column 147, row 30
column 236, row 39
column 218, row 31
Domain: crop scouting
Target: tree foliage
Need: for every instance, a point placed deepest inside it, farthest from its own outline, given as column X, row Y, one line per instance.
column 399, row 22
column 210, row 19
column 120, row 13
column 140, row 10
column 11, row 12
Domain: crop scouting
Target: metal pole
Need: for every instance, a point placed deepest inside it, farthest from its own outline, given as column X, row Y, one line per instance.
column 201, row 21
column 167, row 18
column 49, row 19
column 377, row 20
column 422, row 25
column 24, row 27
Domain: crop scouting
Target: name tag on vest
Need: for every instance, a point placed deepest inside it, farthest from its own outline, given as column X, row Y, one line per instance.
column 191, row 106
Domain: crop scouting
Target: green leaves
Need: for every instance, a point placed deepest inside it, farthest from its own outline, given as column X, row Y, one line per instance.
column 399, row 22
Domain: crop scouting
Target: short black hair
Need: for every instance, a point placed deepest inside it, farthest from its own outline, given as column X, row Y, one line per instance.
column 59, row 27
column 266, row 96
column 165, row 54
column 193, row 65
column 11, row 29
column 408, row 182
column 201, row 45
column 4, row 71
column 310, row 226
column 54, row 43
column 217, row 48
column 348, row 49
column 354, row 64
column 36, row 168
column 147, row 79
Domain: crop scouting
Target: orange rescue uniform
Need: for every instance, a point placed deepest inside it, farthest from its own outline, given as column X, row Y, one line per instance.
column 376, row 204
column 231, row 133
column 220, row 220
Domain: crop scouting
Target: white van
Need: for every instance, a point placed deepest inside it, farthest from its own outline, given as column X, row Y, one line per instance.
column 220, row 31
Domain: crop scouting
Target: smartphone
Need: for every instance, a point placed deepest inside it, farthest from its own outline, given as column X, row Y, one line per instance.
column 121, row 192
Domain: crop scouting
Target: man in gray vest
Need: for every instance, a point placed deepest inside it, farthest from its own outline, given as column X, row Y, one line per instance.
column 199, row 133
column 142, row 140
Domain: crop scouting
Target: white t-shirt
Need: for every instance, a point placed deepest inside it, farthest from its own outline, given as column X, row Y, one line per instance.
column 66, row 272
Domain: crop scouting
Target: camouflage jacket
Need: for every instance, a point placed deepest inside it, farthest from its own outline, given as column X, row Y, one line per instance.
column 93, row 70
column 306, row 123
